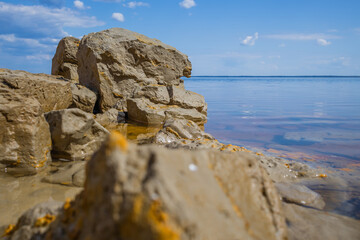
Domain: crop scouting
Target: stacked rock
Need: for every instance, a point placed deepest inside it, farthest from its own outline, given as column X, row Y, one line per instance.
column 135, row 74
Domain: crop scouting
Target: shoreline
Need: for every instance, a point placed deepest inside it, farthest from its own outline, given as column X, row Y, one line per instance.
column 66, row 139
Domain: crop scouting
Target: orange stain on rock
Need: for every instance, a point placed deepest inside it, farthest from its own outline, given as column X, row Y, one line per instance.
column 9, row 230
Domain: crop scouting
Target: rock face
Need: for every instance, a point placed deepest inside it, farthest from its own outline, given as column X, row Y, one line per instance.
column 53, row 93
column 34, row 222
column 74, row 133
column 300, row 194
column 111, row 117
column 116, row 61
column 83, row 98
column 180, row 129
column 307, row 223
column 64, row 62
column 25, row 141
column 122, row 66
column 150, row 192
column 73, row 174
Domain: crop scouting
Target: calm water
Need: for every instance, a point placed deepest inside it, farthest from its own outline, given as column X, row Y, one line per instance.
column 311, row 119
column 314, row 119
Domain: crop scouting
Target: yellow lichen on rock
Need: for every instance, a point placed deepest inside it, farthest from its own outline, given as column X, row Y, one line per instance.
column 323, row 175
column 45, row 220
column 170, row 130
column 67, row 203
column 9, row 230
column 117, row 140
column 147, row 219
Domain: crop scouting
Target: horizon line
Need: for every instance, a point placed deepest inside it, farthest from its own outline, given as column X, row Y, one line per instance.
column 356, row 76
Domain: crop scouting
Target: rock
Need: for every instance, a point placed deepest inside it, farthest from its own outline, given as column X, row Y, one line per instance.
column 186, row 99
column 73, row 174
column 156, row 94
column 144, row 111
column 177, row 133
column 110, row 117
column 180, row 129
column 115, row 62
column 74, row 133
column 64, row 62
column 149, row 192
column 307, row 223
column 25, row 141
column 189, row 114
column 34, row 222
column 300, row 194
column 51, row 92
column 83, row 98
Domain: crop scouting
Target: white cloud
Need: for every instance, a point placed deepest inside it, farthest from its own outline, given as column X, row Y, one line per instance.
column 39, row 57
column 323, row 42
column 8, row 37
column 301, row 37
column 250, row 40
column 187, row 3
column 136, row 4
column 79, row 4
column 38, row 21
column 11, row 38
column 118, row 16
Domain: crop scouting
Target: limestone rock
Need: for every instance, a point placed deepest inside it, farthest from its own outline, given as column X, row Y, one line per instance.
column 74, row 133
column 83, row 98
column 307, row 223
column 186, row 99
column 156, row 94
column 180, row 129
column 300, row 194
column 25, row 141
column 110, row 117
column 149, row 192
column 73, row 174
column 34, row 222
column 51, row 92
column 177, row 133
column 64, row 62
column 115, row 62
column 144, row 111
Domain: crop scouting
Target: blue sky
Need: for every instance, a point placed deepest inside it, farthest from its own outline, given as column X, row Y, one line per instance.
column 229, row 37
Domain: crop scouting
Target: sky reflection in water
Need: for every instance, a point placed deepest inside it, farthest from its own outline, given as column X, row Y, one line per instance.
column 307, row 118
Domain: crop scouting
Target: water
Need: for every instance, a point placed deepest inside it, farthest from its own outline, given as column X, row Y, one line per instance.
column 310, row 119
column 306, row 118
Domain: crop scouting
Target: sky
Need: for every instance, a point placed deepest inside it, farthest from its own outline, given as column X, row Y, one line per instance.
column 229, row 37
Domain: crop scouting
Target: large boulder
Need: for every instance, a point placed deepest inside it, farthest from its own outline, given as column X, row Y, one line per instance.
column 64, row 62
column 144, row 111
column 149, row 192
column 75, row 134
column 115, row 62
column 25, row 141
column 53, row 93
